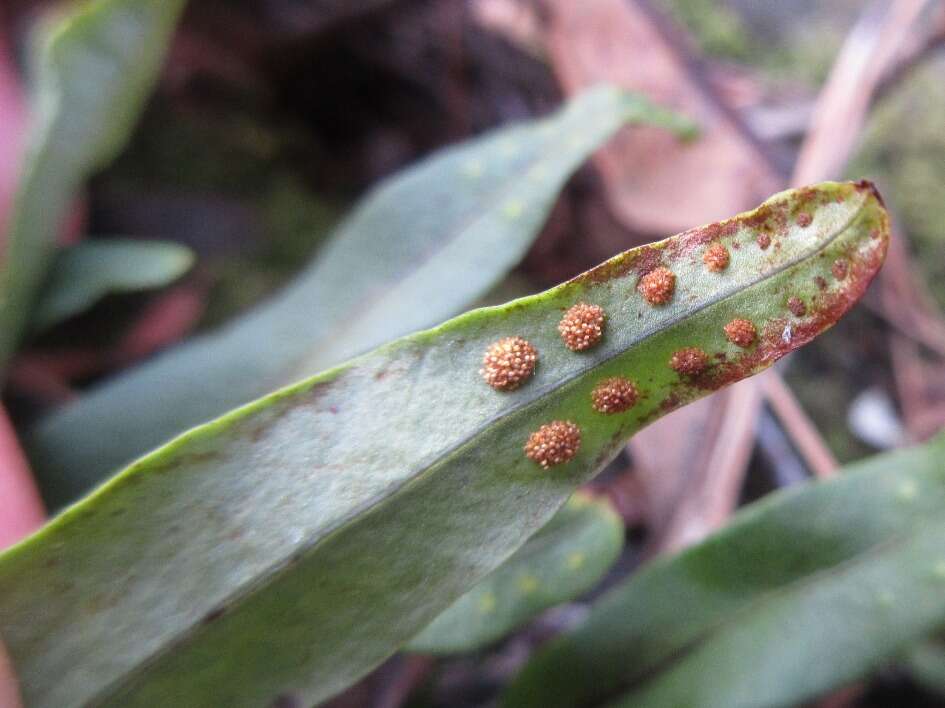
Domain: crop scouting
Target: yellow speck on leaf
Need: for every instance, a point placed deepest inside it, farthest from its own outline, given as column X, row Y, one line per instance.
column 472, row 168
column 576, row 142
column 907, row 490
column 513, row 208
column 487, row 603
column 528, row 583
column 508, row 148
column 537, row 173
column 579, row 500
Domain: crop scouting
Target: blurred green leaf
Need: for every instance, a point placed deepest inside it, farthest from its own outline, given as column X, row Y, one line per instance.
column 83, row 274
column 93, row 71
column 563, row 560
column 293, row 544
column 802, row 592
column 420, row 248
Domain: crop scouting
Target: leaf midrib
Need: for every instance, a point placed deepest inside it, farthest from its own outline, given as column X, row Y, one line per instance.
column 443, row 457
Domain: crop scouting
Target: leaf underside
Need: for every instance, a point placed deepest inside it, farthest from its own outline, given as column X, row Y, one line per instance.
column 802, row 592
column 421, row 247
column 292, row 545
column 566, row 558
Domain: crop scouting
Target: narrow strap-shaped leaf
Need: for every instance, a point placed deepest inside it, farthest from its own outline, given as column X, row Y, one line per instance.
column 294, row 543
column 83, row 274
column 566, row 558
column 94, row 69
column 420, row 248
column 804, row 591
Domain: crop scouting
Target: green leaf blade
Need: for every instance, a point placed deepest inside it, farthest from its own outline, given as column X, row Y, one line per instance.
column 563, row 560
column 95, row 68
column 308, row 535
column 801, row 593
column 422, row 246
column 83, row 274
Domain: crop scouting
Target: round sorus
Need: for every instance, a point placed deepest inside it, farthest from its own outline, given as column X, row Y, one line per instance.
column 740, row 332
column 614, row 395
column 582, row 326
column 554, row 443
column 689, row 361
column 657, row 286
column 797, row 306
column 716, row 257
column 508, row 363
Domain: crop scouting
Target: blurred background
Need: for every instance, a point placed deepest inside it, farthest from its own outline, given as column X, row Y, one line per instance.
column 272, row 117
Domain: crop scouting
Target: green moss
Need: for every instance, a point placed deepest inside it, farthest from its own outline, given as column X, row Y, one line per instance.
column 243, row 156
column 294, row 222
column 782, row 42
column 717, row 29
column 903, row 150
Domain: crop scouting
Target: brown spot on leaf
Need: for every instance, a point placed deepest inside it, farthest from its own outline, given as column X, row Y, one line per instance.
column 839, row 269
column 582, row 326
column 647, row 258
column 764, row 240
column 864, row 185
column 797, row 306
column 716, row 257
column 657, row 286
column 689, row 361
column 554, row 443
column 508, row 363
column 829, row 308
column 769, row 218
column 821, row 283
column 689, row 241
column 213, row 615
column 616, row 267
column 804, row 219
column 741, row 332
column 206, row 456
column 614, row 395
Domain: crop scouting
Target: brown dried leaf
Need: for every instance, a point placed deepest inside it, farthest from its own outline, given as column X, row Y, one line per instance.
column 707, row 445
column 627, row 43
